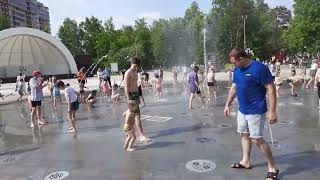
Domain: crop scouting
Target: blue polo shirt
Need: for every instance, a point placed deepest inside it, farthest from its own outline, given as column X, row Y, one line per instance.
column 106, row 73
column 251, row 91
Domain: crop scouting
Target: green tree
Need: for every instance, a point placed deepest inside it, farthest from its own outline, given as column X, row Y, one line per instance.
column 4, row 24
column 91, row 28
column 143, row 45
column 122, row 57
column 263, row 35
column 69, row 34
column 304, row 28
column 105, row 38
column 159, row 41
column 194, row 21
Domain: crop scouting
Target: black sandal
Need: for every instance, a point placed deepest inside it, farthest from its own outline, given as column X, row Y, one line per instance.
column 239, row 166
column 272, row 175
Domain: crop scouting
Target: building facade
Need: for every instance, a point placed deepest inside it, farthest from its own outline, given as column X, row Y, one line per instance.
column 26, row 13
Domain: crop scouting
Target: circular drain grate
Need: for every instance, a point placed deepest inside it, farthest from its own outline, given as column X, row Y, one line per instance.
column 201, row 166
column 59, row 175
column 205, row 140
column 224, row 125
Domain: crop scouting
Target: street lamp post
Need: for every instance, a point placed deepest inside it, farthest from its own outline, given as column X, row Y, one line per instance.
column 244, row 31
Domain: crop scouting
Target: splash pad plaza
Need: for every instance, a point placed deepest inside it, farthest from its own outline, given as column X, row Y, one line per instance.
column 197, row 136
column 196, row 144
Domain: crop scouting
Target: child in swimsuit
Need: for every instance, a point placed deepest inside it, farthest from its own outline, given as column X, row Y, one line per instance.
column 158, row 86
column 128, row 126
column 278, row 82
column 92, row 98
column 105, row 89
column 56, row 92
column 20, row 89
column 115, row 93
column 293, row 80
column 50, row 87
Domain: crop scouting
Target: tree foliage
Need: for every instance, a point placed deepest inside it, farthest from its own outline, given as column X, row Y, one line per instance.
column 4, row 24
column 90, row 29
column 304, row 28
column 180, row 40
column 69, row 34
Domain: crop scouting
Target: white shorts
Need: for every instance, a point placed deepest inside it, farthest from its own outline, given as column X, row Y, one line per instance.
column 252, row 124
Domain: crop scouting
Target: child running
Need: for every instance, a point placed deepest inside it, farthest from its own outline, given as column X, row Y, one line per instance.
column 56, row 92
column 91, row 100
column 128, row 127
column 73, row 104
column 115, row 93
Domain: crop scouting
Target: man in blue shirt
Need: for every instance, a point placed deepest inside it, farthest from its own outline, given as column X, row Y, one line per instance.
column 107, row 76
column 251, row 82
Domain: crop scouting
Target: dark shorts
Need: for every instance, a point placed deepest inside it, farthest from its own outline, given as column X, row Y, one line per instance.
column 81, row 91
column 198, row 92
column 211, row 84
column 81, row 81
column 74, row 106
column 107, row 79
column 279, row 84
column 35, row 103
column 136, row 98
column 20, row 93
column 289, row 81
column 140, row 90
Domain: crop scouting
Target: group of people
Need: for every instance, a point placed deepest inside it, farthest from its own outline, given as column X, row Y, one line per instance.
column 132, row 124
column 202, row 82
column 253, row 83
column 37, row 83
column 293, row 80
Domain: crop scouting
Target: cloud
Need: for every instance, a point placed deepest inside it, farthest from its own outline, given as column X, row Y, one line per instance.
column 150, row 16
column 119, row 21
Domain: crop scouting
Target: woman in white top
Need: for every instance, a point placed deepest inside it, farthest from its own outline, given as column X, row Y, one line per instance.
column 73, row 104
column 313, row 71
column 36, row 84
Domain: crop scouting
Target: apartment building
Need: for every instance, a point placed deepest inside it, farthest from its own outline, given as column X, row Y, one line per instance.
column 26, row 13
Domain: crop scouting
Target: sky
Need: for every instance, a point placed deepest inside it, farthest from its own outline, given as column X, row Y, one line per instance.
column 125, row 12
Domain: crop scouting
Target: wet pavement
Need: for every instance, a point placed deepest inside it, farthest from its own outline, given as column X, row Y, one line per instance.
column 179, row 136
